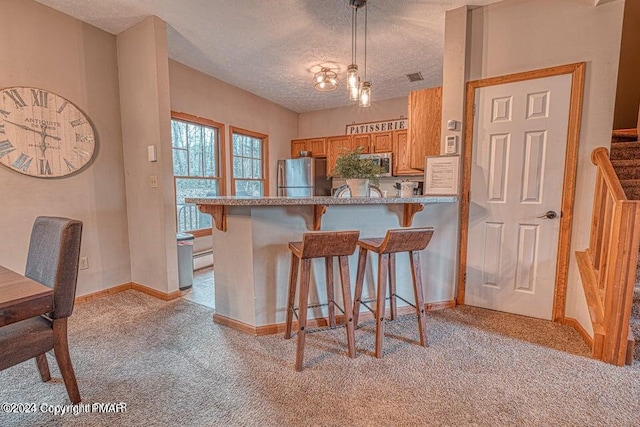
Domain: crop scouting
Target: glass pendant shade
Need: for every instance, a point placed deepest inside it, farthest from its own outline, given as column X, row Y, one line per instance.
column 365, row 95
column 352, row 77
column 354, row 92
column 325, row 80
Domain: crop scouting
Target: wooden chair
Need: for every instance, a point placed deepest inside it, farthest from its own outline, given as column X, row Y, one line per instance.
column 54, row 251
column 325, row 245
column 410, row 240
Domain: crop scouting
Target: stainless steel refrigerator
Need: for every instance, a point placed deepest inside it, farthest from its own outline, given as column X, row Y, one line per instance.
column 303, row 177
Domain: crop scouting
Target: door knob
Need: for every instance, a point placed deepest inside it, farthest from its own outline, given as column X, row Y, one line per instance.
column 549, row 215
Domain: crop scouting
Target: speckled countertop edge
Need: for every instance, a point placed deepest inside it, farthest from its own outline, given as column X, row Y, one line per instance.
column 292, row 201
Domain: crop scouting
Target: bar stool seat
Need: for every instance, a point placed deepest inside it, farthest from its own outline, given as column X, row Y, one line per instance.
column 371, row 244
column 327, row 244
column 411, row 240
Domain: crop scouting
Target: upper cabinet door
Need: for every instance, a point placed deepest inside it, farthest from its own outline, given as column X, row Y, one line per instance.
column 337, row 145
column 425, row 118
column 381, row 142
column 401, row 156
column 318, row 147
column 362, row 140
column 298, row 145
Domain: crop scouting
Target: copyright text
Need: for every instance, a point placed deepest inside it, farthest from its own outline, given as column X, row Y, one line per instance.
column 46, row 408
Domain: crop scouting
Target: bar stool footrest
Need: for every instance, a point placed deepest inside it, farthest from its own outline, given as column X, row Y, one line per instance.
column 366, row 304
column 369, row 301
column 326, row 304
column 323, row 329
column 398, row 296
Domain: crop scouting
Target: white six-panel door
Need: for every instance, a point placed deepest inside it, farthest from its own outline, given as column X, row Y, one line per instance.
column 519, row 145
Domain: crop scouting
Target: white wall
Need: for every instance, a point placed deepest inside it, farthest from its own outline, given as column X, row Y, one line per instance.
column 520, row 35
column 44, row 48
column 146, row 115
column 454, row 73
column 333, row 121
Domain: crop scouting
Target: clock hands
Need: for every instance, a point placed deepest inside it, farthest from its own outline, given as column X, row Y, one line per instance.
column 43, row 133
column 43, row 145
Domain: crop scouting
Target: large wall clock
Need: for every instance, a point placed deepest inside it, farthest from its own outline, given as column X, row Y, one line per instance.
column 43, row 134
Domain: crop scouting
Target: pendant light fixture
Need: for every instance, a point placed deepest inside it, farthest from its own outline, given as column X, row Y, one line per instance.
column 365, row 87
column 365, row 95
column 354, row 91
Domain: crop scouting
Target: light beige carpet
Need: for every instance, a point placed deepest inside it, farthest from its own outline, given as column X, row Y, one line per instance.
column 174, row 367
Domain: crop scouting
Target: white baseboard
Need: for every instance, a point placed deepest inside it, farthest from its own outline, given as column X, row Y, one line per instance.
column 205, row 260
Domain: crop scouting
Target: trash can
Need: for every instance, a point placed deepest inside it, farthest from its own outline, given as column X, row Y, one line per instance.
column 185, row 260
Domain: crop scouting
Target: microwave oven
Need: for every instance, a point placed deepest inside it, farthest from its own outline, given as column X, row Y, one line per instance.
column 381, row 159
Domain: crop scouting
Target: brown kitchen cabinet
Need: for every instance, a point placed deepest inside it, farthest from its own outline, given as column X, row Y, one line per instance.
column 337, row 145
column 298, row 145
column 425, row 118
column 374, row 142
column 401, row 156
column 381, row 142
column 362, row 140
column 317, row 146
column 333, row 146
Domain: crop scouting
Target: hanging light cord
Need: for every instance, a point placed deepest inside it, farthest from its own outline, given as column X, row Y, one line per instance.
column 354, row 33
column 366, row 8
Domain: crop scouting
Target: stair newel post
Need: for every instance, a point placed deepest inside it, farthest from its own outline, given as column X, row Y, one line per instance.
column 623, row 257
column 607, row 268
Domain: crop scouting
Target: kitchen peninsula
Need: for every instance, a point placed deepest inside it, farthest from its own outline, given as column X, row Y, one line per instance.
column 251, row 256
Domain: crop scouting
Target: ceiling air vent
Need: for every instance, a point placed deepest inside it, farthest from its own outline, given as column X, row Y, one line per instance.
column 415, row 77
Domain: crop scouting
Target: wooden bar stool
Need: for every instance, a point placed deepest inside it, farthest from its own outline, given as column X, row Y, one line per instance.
column 409, row 240
column 325, row 245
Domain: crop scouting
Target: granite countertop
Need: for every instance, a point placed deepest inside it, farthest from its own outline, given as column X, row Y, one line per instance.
column 319, row 200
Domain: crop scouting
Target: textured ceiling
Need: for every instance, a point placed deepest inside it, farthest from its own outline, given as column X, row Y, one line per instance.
column 270, row 47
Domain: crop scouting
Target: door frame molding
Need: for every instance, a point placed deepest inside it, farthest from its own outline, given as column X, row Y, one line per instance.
column 577, row 72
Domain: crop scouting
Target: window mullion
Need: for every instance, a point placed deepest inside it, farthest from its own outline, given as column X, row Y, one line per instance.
column 202, row 150
column 188, row 152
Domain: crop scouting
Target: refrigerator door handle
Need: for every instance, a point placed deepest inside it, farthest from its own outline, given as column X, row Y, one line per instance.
column 280, row 173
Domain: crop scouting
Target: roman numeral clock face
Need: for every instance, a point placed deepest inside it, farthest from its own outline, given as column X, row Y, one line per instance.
column 43, row 134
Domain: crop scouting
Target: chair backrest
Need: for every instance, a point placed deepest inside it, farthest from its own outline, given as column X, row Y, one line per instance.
column 329, row 243
column 406, row 239
column 54, row 251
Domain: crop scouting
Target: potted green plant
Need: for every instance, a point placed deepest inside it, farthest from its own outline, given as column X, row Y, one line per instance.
column 357, row 171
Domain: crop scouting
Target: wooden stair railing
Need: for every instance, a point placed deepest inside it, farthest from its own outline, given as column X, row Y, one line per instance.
column 607, row 267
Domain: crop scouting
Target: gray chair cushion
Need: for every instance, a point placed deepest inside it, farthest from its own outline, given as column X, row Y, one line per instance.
column 53, row 257
column 24, row 340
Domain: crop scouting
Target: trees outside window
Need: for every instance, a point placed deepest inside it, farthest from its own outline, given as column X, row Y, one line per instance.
column 197, row 168
column 249, row 163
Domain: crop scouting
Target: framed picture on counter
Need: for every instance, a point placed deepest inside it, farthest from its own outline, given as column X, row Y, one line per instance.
column 441, row 175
